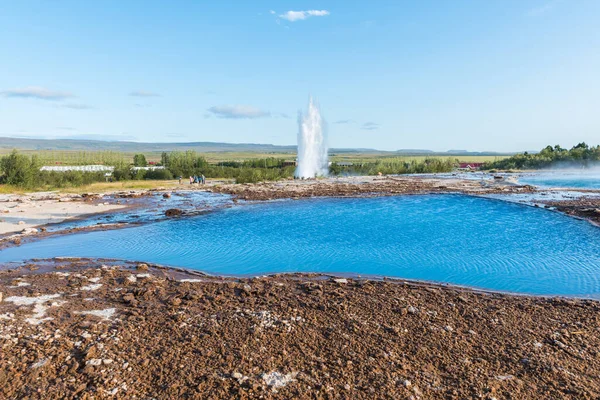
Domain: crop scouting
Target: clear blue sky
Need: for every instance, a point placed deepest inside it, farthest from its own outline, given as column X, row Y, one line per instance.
column 501, row 75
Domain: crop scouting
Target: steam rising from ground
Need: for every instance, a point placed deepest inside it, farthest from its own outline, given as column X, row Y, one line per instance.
column 312, row 144
column 588, row 171
column 565, row 176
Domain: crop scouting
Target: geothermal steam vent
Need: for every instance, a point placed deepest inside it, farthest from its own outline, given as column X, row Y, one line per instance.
column 312, row 144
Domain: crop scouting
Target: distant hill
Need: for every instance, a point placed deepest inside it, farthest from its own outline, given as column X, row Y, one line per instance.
column 415, row 152
column 95, row 145
column 201, row 147
column 477, row 153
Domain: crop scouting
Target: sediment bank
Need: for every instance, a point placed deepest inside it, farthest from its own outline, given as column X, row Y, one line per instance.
column 99, row 329
column 34, row 216
column 585, row 208
column 27, row 212
column 365, row 186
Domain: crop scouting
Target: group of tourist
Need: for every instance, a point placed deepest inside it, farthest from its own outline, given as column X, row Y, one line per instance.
column 197, row 179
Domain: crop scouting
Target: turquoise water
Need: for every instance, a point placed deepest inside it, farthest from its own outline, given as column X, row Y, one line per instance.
column 446, row 238
column 558, row 179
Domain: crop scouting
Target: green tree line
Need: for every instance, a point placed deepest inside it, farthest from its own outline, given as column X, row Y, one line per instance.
column 24, row 170
column 580, row 155
column 395, row 167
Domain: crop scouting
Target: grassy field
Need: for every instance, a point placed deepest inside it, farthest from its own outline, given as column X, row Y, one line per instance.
column 10, row 189
column 75, row 157
column 99, row 187
column 102, row 187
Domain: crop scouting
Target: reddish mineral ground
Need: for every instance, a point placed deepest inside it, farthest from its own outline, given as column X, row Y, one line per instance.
column 97, row 329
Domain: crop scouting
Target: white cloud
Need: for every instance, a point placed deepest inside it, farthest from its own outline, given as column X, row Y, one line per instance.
column 37, row 92
column 293, row 16
column 318, row 13
column 238, row 112
column 144, row 93
column 272, row 12
column 370, row 126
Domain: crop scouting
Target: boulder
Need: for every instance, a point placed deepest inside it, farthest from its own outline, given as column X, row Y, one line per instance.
column 142, row 267
column 173, row 212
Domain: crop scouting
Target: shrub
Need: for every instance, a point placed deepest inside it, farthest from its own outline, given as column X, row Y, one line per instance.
column 139, row 160
column 159, row 174
column 123, row 173
column 249, row 176
column 54, row 179
column 19, row 170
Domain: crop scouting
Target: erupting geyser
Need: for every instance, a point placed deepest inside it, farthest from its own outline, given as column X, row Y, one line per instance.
column 312, row 144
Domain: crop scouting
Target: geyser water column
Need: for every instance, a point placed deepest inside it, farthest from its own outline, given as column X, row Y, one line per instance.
column 312, row 144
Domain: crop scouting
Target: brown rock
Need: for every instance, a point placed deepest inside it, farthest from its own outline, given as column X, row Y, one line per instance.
column 142, row 267
column 175, row 301
column 128, row 298
column 173, row 212
column 80, row 388
column 92, row 352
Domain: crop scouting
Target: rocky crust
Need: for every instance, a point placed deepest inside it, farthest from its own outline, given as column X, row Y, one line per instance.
column 98, row 329
column 365, row 186
column 586, row 208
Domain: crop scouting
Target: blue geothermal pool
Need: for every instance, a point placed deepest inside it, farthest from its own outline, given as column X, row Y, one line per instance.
column 456, row 239
column 583, row 179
